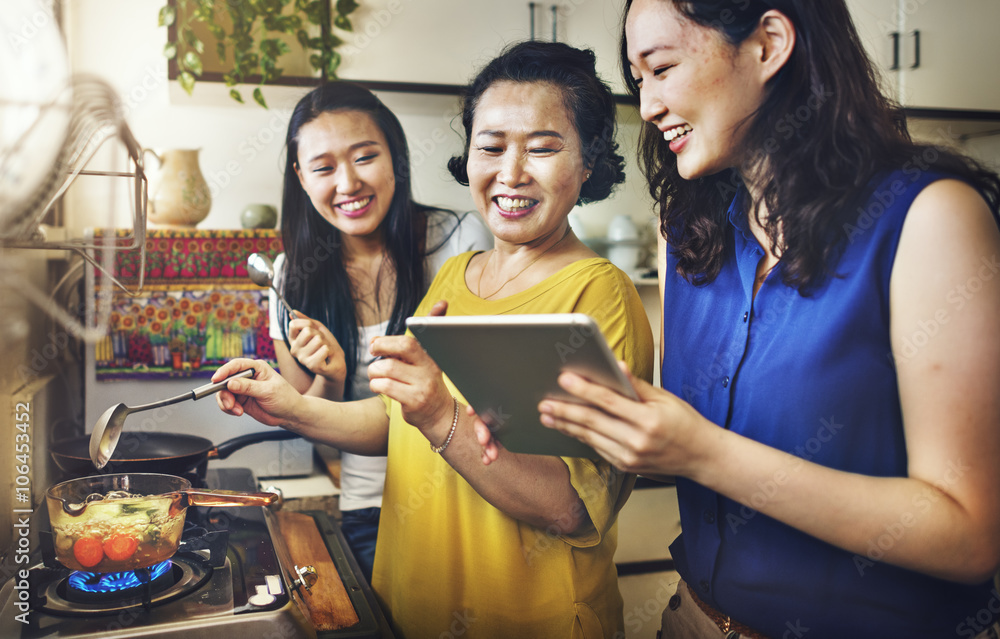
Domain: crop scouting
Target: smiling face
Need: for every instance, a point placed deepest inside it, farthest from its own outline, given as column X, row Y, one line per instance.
column 525, row 160
column 345, row 168
column 694, row 86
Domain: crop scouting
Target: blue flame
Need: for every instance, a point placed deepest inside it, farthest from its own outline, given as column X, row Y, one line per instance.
column 114, row 581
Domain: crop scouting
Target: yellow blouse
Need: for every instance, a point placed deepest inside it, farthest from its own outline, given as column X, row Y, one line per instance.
column 449, row 564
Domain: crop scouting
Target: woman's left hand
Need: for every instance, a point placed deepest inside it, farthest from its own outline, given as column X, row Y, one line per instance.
column 315, row 347
column 407, row 374
column 652, row 436
column 491, row 446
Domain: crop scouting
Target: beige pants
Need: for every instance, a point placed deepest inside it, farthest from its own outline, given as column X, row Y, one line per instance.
column 683, row 619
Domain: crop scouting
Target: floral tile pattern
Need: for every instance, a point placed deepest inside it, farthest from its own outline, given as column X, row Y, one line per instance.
column 197, row 310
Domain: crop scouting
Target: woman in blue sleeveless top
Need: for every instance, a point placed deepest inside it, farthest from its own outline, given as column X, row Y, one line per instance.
column 830, row 347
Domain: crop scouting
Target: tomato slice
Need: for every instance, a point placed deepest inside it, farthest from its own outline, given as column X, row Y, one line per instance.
column 120, row 547
column 88, row 551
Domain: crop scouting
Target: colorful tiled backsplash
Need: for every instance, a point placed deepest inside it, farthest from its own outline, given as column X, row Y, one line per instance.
column 197, row 310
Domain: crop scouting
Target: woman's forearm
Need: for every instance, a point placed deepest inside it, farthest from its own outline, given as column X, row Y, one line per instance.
column 326, row 389
column 360, row 427
column 535, row 489
column 905, row 521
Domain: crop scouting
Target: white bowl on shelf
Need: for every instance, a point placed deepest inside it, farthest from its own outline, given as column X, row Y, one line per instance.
column 622, row 229
column 625, row 255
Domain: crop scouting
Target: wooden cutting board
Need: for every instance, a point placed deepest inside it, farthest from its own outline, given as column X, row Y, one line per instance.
column 326, row 604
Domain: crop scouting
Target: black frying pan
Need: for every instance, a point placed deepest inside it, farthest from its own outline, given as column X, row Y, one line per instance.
column 168, row 453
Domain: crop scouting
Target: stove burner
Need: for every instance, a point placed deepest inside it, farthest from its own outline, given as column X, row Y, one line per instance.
column 92, row 586
column 184, row 573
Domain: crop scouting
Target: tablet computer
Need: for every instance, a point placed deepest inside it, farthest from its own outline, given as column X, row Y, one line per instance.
column 505, row 365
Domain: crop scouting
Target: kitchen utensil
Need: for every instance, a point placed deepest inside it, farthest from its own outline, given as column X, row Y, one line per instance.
column 145, row 452
column 114, row 523
column 261, row 272
column 108, row 429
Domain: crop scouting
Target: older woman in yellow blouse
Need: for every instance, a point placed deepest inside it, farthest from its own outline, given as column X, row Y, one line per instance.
column 523, row 547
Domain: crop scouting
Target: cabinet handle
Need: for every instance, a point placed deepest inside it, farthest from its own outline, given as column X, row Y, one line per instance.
column 916, row 49
column 555, row 23
column 531, row 12
column 895, row 51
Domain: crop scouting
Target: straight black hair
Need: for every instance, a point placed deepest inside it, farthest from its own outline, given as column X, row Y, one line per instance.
column 315, row 279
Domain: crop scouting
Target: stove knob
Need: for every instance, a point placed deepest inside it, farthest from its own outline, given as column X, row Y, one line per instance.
column 262, row 598
column 307, row 577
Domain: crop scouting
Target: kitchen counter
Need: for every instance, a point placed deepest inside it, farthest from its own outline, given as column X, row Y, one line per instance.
column 316, row 491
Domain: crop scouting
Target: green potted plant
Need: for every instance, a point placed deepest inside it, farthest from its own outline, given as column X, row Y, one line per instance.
column 250, row 37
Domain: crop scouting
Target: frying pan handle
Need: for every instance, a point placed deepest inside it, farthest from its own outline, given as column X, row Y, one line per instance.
column 230, row 446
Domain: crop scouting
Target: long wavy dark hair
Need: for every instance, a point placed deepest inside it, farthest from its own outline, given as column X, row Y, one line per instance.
column 315, row 278
column 822, row 133
column 588, row 100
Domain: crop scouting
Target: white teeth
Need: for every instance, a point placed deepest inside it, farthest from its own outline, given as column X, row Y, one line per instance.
column 355, row 205
column 513, row 204
column 672, row 134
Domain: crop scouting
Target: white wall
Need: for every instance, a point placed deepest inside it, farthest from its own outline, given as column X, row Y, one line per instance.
column 986, row 149
column 242, row 145
column 242, row 159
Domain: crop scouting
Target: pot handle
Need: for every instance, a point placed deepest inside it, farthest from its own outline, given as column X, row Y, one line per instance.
column 230, row 446
column 216, row 498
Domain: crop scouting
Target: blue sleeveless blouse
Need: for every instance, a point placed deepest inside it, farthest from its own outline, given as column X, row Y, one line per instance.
column 812, row 376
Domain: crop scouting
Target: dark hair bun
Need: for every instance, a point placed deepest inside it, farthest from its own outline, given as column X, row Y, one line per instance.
column 587, row 98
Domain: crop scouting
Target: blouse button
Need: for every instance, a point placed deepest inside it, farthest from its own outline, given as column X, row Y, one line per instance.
column 746, row 316
column 704, row 586
column 674, row 602
column 709, row 517
column 725, row 382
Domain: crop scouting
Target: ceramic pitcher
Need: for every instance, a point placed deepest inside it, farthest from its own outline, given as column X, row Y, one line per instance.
column 178, row 192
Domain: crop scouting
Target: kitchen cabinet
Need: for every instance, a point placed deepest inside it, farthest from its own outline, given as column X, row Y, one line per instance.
column 876, row 21
column 958, row 54
column 936, row 54
column 447, row 41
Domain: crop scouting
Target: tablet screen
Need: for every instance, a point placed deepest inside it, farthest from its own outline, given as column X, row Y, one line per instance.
column 504, row 365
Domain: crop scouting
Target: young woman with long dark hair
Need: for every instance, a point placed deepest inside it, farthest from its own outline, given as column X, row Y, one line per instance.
column 830, row 351
column 359, row 255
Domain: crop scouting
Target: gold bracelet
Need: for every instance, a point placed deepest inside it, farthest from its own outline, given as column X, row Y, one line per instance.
column 451, row 433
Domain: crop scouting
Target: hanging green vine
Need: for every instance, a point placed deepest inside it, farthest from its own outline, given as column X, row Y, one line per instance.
column 254, row 42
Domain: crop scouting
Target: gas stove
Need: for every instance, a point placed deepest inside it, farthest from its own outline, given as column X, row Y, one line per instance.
column 226, row 579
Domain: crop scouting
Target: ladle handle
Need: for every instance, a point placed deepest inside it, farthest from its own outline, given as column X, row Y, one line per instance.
column 199, row 497
column 209, row 389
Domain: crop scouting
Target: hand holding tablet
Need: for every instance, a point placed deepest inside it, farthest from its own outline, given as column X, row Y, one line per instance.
column 504, row 365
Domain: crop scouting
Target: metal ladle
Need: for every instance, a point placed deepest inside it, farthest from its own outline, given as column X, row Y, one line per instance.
column 108, row 430
column 261, row 272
